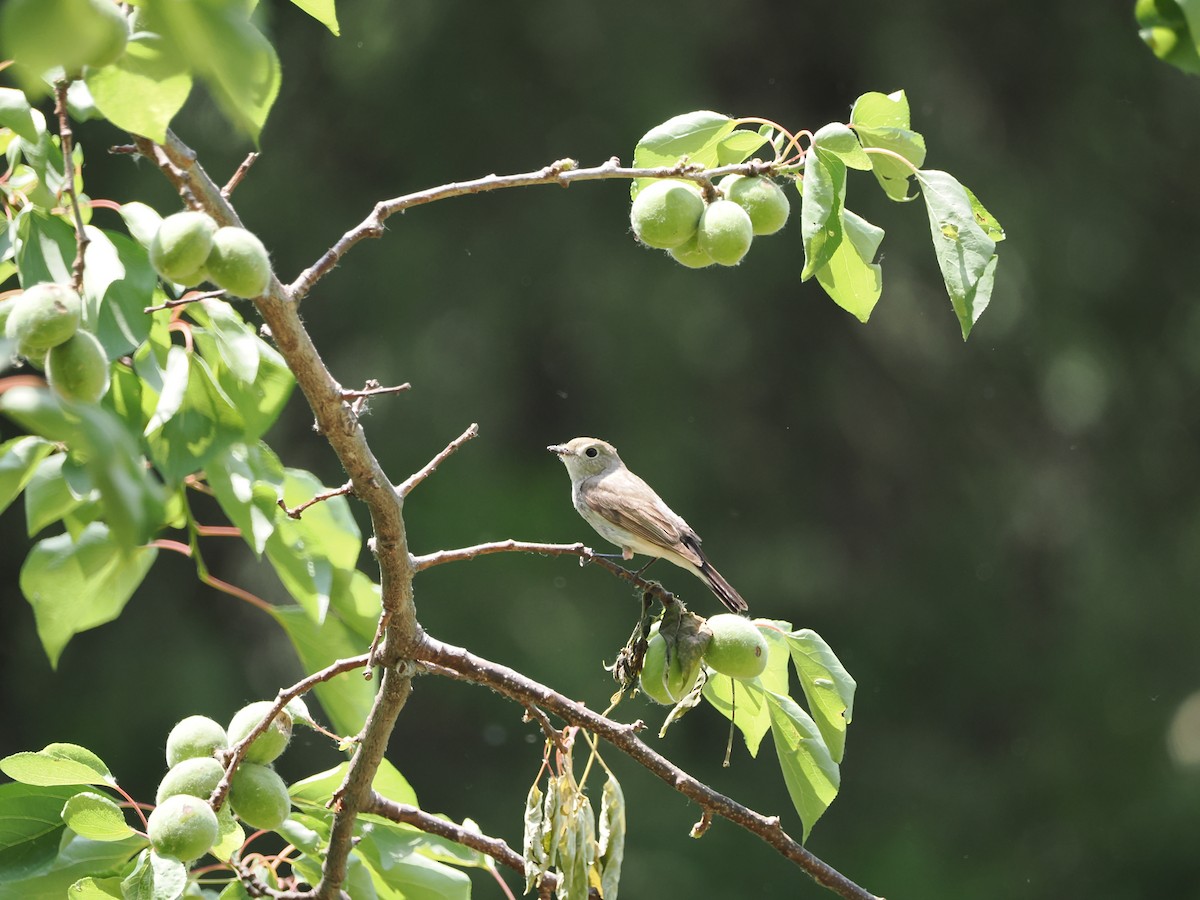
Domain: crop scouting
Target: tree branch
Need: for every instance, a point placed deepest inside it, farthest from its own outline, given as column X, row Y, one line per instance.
column 493, row 847
column 66, row 138
column 430, row 467
column 294, row 512
column 586, row 555
column 341, row 428
column 564, row 172
column 526, row 691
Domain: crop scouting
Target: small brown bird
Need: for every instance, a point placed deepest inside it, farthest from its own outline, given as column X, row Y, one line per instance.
column 625, row 510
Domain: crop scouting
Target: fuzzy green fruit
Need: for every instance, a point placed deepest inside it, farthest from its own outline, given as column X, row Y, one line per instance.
column 762, row 199
column 663, row 682
column 666, row 213
column 268, row 745
column 77, row 369
column 181, row 245
column 197, row 776
column 195, row 736
column 42, row 34
column 182, row 827
column 725, row 232
column 44, row 316
column 691, row 254
column 238, row 263
column 737, row 649
column 259, row 796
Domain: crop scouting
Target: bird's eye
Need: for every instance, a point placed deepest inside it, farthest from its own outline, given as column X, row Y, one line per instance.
column 590, row 452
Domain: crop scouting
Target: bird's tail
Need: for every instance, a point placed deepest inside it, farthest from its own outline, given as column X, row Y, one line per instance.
column 723, row 589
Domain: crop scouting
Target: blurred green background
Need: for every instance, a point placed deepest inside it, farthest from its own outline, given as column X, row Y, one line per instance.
column 998, row 538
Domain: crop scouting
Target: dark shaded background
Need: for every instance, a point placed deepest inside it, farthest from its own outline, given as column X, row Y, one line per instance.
column 998, row 538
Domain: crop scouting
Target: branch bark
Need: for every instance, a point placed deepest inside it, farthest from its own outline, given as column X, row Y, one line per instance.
column 525, row 691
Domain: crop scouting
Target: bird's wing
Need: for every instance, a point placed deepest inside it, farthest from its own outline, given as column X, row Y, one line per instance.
column 651, row 520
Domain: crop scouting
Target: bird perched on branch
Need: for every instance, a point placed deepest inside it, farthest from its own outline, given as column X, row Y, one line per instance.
column 626, row 511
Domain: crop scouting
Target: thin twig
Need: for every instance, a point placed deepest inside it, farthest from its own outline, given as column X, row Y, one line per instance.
column 235, row 753
column 526, row 691
column 563, row 173
column 534, row 713
column 294, row 512
column 231, row 186
column 402, row 490
column 190, row 297
column 358, row 399
column 586, row 555
column 66, row 139
column 496, row 848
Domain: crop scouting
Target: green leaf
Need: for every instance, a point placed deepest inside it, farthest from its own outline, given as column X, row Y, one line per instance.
column 743, row 700
column 218, row 42
column 95, row 816
column 95, row 889
column 882, row 121
column 141, row 220
column 532, row 848
column 230, row 836
column 15, row 113
column 965, row 252
column 194, row 421
column 822, row 200
column 57, row 764
column 247, row 480
column 322, row 11
column 738, row 146
column 851, row 277
column 75, row 858
column 308, row 551
column 120, row 323
column 30, row 828
column 843, row 143
column 314, row 792
column 696, row 136
column 144, row 89
column 399, row 871
column 234, row 343
column 985, row 219
column 49, row 496
column 74, row 585
column 827, row 686
column 811, row 775
column 155, row 878
column 611, row 849
column 19, row 462
column 347, row 699
column 45, row 248
column 36, row 410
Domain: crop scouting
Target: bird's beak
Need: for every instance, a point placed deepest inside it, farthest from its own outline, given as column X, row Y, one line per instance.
column 560, row 449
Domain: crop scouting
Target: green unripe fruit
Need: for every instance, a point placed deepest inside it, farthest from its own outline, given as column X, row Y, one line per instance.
column 182, row 827
column 666, row 213
column 197, row 777
column 725, row 232
column 35, row 356
column 6, row 306
column 43, row 34
column 181, row 245
column 737, row 649
column 662, row 681
column 195, row 736
column 259, row 796
column 268, row 745
column 44, row 316
column 691, row 254
column 77, row 369
column 762, row 199
column 238, row 263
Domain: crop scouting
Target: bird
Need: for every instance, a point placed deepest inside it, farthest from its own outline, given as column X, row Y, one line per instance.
column 627, row 512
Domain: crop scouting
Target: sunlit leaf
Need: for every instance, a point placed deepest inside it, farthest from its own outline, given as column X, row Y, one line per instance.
column 811, row 775
column 57, row 764
column 144, row 89
column 95, row 816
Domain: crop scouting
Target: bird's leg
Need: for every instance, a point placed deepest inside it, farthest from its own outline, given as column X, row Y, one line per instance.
column 638, row 573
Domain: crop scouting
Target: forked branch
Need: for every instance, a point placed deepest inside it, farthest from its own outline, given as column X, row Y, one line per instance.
column 527, row 692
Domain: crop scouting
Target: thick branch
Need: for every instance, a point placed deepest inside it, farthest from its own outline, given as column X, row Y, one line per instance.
column 563, row 173
column 431, row 824
column 340, row 426
column 526, row 691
